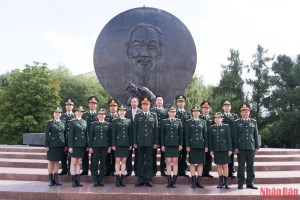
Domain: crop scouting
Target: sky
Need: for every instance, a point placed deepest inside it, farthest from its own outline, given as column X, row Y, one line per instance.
column 64, row 32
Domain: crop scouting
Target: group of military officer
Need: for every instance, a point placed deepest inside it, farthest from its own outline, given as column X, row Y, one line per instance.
column 112, row 137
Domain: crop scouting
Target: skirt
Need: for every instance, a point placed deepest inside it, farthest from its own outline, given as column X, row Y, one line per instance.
column 171, row 151
column 221, row 157
column 78, row 152
column 55, row 153
column 121, row 152
column 196, row 156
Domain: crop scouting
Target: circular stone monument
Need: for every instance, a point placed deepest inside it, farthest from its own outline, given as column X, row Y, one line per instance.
column 145, row 51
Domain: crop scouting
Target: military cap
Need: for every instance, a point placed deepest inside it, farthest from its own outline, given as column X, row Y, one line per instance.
column 244, row 106
column 218, row 114
column 122, row 107
column 172, row 108
column 79, row 109
column 180, row 98
column 93, row 99
column 69, row 102
column 57, row 109
column 205, row 104
column 113, row 102
column 226, row 102
column 195, row 108
column 102, row 111
column 146, row 100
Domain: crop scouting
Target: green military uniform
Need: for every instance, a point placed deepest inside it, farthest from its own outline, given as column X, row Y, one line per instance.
column 121, row 136
column 161, row 114
column 145, row 135
column 220, row 143
column 196, row 139
column 78, row 137
column 171, row 136
column 99, row 141
column 246, row 141
column 55, row 139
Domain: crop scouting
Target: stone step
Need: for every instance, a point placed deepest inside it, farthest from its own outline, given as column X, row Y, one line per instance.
column 40, row 190
column 259, row 166
column 262, row 177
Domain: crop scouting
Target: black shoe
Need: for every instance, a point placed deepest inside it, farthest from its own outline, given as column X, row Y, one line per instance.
column 149, row 184
column 63, row 172
column 252, row 187
column 128, row 174
column 207, row 175
column 174, row 180
column 51, row 180
column 84, row 173
column 231, row 176
column 139, row 184
column 73, row 180
column 240, row 187
column 169, row 181
column 77, row 178
column 100, row 183
column 95, row 184
column 194, row 181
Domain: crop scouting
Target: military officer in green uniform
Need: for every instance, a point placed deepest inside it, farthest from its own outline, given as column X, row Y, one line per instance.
column 196, row 142
column 55, row 145
column 229, row 118
column 67, row 116
column 77, row 143
column 99, row 143
column 161, row 113
column 220, row 147
column 171, row 144
column 205, row 108
column 245, row 143
column 113, row 113
column 89, row 116
column 145, row 138
column 121, row 143
column 183, row 115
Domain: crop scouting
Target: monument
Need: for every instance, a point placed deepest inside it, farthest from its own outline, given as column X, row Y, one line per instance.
column 145, row 52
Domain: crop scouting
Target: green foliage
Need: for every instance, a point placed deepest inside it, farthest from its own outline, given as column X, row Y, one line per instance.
column 27, row 102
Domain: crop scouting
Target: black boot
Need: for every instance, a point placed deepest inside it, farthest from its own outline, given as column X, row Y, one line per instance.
column 78, row 180
column 193, row 182
column 121, row 181
column 51, row 181
column 199, row 184
column 56, row 181
column 169, row 181
column 174, row 181
column 73, row 180
column 226, row 182
column 221, row 182
column 118, row 181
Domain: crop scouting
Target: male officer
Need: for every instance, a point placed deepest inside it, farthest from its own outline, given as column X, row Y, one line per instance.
column 229, row 118
column 110, row 161
column 246, row 146
column 67, row 116
column 205, row 107
column 183, row 115
column 130, row 114
column 161, row 113
column 90, row 116
column 145, row 139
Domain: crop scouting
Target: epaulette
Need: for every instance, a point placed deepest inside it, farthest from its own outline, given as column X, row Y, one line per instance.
column 188, row 120
column 238, row 119
column 94, row 122
column 50, row 120
column 253, row 119
column 72, row 119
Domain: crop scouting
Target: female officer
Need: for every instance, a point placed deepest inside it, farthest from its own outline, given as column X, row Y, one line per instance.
column 121, row 143
column 171, row 144
column 99, row 144
column 196, row 144
column 77, row 143
column 220, row 147
column 55, row 145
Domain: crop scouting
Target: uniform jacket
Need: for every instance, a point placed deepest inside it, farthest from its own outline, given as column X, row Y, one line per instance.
column 171, row 132
column 54, row 134
column 121, row 132
column 219, row 138
column 78, row 133
column 99, row 134
column 196, row 134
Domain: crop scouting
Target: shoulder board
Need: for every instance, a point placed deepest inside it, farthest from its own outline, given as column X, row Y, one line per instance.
column 94, row 122
column 188, row 120
column 253, row 119
column 50, row 120
column 72, row 119
column 225, row 125
column 238, row 119
column 115, row 118
column 166, row 119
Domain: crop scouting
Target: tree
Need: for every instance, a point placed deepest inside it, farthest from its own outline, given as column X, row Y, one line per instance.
column 231, row 83
column 27, row 102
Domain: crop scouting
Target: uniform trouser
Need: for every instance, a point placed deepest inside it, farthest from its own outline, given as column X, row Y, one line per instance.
column 85, row 162
column 144, row 164
column 99, row 154
column 246, row 156
column 66, row 161
column 231, row 165
column 182, row 165
column 129, row 162
column 208, row 163
column 110, row 163
column 154, row 167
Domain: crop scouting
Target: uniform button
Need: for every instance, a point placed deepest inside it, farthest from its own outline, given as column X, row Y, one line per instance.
column 197, row 134
column 247, row 138
column 197, row 138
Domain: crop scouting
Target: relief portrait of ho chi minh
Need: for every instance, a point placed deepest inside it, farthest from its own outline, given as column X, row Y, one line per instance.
column 145, row 51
